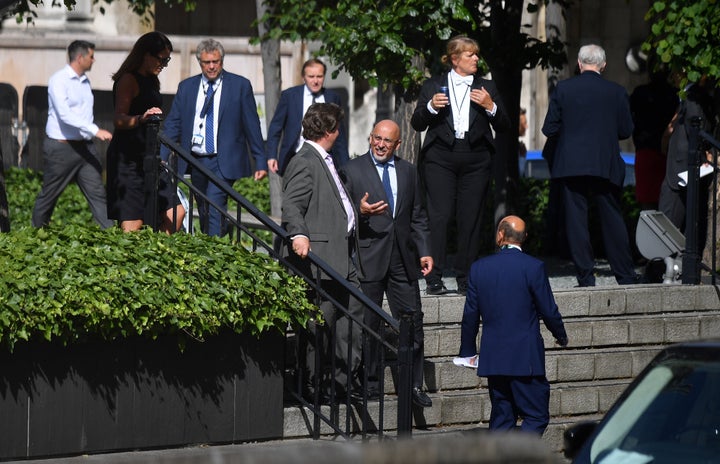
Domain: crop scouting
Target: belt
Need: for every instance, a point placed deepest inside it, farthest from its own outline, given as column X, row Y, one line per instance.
column 203, row 155
column 69, row 142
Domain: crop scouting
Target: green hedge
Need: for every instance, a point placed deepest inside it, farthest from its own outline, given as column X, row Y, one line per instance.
column 73, row 281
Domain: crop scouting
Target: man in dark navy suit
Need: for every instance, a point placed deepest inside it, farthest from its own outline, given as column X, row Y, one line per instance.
column 214, row 116
column 394, row 242
column 511, row 292
column 587, row 116
column 284, row 133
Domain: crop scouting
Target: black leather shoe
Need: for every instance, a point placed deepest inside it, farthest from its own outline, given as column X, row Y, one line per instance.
column 436, row 289
column 420, row 398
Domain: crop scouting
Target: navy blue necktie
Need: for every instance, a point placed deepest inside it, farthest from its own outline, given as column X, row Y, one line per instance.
column 388, row 187
column 209, row 114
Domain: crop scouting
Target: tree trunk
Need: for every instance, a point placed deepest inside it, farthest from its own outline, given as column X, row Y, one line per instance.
column 4, row 207
column 270, row 51
column 405, row 102
column 506, row 68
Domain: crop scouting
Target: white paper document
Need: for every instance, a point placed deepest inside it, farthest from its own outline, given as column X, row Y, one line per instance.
column 470, row 362
column 705, row 169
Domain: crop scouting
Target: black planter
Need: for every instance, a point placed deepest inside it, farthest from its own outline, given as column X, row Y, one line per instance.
column 138, row 393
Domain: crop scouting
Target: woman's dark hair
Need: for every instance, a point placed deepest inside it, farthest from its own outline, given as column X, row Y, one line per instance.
column 150, row 43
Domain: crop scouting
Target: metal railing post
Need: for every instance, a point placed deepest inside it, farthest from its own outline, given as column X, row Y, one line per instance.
column 691, row 256
column 404, row 386
column 151, row 169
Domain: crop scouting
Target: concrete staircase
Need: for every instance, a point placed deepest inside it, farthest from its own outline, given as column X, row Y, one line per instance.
column 613, row 331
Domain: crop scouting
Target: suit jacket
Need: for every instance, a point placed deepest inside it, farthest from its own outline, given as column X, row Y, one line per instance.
column 510, row 291
column 588, row 114
column 286, row 127
column 441, row 126
column 408, row 230
column 238, row 125
column 697, row 103
column 312, row 206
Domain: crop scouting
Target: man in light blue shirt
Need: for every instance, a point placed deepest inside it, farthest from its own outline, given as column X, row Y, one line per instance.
column 68, row 149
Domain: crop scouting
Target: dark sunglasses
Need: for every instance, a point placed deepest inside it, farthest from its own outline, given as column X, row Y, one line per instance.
column 163, row 61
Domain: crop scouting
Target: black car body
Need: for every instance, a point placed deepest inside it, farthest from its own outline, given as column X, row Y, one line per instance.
column 669, row 414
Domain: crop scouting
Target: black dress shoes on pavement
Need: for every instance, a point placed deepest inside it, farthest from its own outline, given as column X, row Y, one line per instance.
column 436, row 289
column 420, row 398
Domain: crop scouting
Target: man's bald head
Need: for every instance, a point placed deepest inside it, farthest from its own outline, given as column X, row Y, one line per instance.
column 511, row 230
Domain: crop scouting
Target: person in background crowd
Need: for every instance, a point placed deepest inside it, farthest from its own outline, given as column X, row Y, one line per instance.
column 68, row 148
column 284, row 136
column 214, row 117
column 136, row 93
column 653, row 106
column 455, row 160
column 587, row 116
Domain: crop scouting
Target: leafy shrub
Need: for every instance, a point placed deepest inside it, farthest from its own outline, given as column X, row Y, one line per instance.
column 75, row 283
column 23, row 186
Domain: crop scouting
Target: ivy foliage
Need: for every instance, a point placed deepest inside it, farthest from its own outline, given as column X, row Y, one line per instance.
column 685, row 35
column 76, row 283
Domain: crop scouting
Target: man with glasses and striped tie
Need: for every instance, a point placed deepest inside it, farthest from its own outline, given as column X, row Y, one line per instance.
column 214, row 116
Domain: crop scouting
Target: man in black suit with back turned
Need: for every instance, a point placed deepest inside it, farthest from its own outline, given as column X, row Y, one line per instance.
column 394, row 242
column 587, row 116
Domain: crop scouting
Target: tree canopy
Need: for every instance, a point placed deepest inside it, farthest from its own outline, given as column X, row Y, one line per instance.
column 381, row 41
column 685, row 35
column 24, row 10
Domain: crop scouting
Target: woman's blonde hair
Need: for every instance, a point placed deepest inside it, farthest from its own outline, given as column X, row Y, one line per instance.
column 457, row 45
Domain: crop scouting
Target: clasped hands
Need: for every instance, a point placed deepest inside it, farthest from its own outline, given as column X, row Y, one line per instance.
column 478, row 96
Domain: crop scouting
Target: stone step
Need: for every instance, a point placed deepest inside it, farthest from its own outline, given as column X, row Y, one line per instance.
column 595, row 331
column 560, row 366
column 470, row 406
column 598, row 301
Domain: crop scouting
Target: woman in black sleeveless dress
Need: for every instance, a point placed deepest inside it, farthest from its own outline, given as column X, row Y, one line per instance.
column 136, row 92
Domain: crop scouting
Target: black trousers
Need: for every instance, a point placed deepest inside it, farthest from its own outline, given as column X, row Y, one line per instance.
column 456, row 185
column 401, row 293
column 577, row 192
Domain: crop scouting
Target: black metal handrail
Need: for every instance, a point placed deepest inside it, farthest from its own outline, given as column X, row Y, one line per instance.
column 402, row 328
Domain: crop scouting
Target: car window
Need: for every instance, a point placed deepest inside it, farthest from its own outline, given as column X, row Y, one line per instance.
column 671, row 416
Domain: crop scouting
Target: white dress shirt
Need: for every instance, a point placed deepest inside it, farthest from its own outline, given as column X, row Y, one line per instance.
column 70, row 106
column 199, row 123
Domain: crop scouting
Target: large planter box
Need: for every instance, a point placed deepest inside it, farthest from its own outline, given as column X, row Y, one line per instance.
column 138, row 393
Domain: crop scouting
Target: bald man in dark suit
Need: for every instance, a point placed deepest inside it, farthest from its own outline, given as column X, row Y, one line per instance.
column 510, row 292
column 394, row 242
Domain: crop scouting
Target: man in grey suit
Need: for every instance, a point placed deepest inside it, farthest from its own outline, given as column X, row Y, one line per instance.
column 319, row 216
column 394, row 242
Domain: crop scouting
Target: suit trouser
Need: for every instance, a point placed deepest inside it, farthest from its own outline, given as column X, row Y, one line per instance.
column 401, row 294
column 526, row 397
column 211, row 218
column 577, row 191
column 65, row 161
column 335, row 338
column 456, row 184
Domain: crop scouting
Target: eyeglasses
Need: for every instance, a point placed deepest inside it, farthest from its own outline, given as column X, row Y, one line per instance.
column 163, row 61
column 378, row 139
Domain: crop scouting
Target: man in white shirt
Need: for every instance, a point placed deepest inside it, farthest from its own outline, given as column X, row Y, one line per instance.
column 68, row 149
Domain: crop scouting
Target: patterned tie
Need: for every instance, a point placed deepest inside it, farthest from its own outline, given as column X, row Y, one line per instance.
column 341, row 190
column 209, row 114
column 388, row 187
